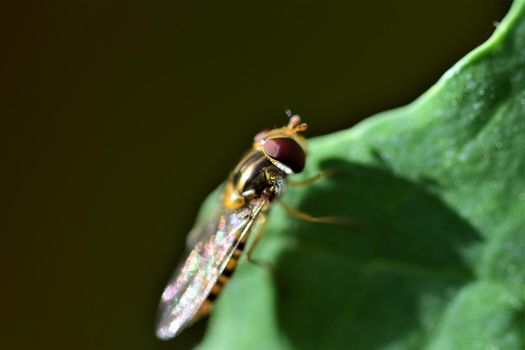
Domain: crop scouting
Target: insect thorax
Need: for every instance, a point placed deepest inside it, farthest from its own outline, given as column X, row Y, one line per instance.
column 254, row 176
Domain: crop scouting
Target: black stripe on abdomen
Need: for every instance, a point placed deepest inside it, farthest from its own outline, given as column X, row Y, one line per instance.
column 227, row 273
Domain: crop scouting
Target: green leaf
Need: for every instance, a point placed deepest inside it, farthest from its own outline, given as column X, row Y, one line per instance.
column 437, row 257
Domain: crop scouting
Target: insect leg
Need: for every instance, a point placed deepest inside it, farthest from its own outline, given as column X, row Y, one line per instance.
column 314, row 178
column 258, row 235
column 260, row 231
column 296, row 213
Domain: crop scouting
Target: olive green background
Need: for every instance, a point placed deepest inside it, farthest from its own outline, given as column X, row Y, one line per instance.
column 119, row 118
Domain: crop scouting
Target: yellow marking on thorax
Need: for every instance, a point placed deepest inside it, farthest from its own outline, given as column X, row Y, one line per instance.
column 232, row 198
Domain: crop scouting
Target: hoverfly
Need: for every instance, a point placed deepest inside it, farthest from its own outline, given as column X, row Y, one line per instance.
column 215, row 246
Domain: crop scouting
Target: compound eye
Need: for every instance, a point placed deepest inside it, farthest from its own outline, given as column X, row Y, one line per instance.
column 286, row 151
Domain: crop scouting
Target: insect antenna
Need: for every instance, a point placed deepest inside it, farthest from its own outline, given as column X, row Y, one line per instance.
column 295, row 124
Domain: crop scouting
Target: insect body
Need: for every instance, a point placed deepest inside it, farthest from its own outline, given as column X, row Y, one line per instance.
column 215, row 246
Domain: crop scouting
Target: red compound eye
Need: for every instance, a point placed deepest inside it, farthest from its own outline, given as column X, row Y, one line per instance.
column 286, row 151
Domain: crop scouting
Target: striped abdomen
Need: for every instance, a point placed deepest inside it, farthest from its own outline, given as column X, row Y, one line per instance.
column 223, row 279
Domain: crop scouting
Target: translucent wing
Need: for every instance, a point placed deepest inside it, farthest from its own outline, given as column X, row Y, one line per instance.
column 215, row 241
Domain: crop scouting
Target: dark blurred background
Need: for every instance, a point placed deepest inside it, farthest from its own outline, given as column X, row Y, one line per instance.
column 119, row 118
